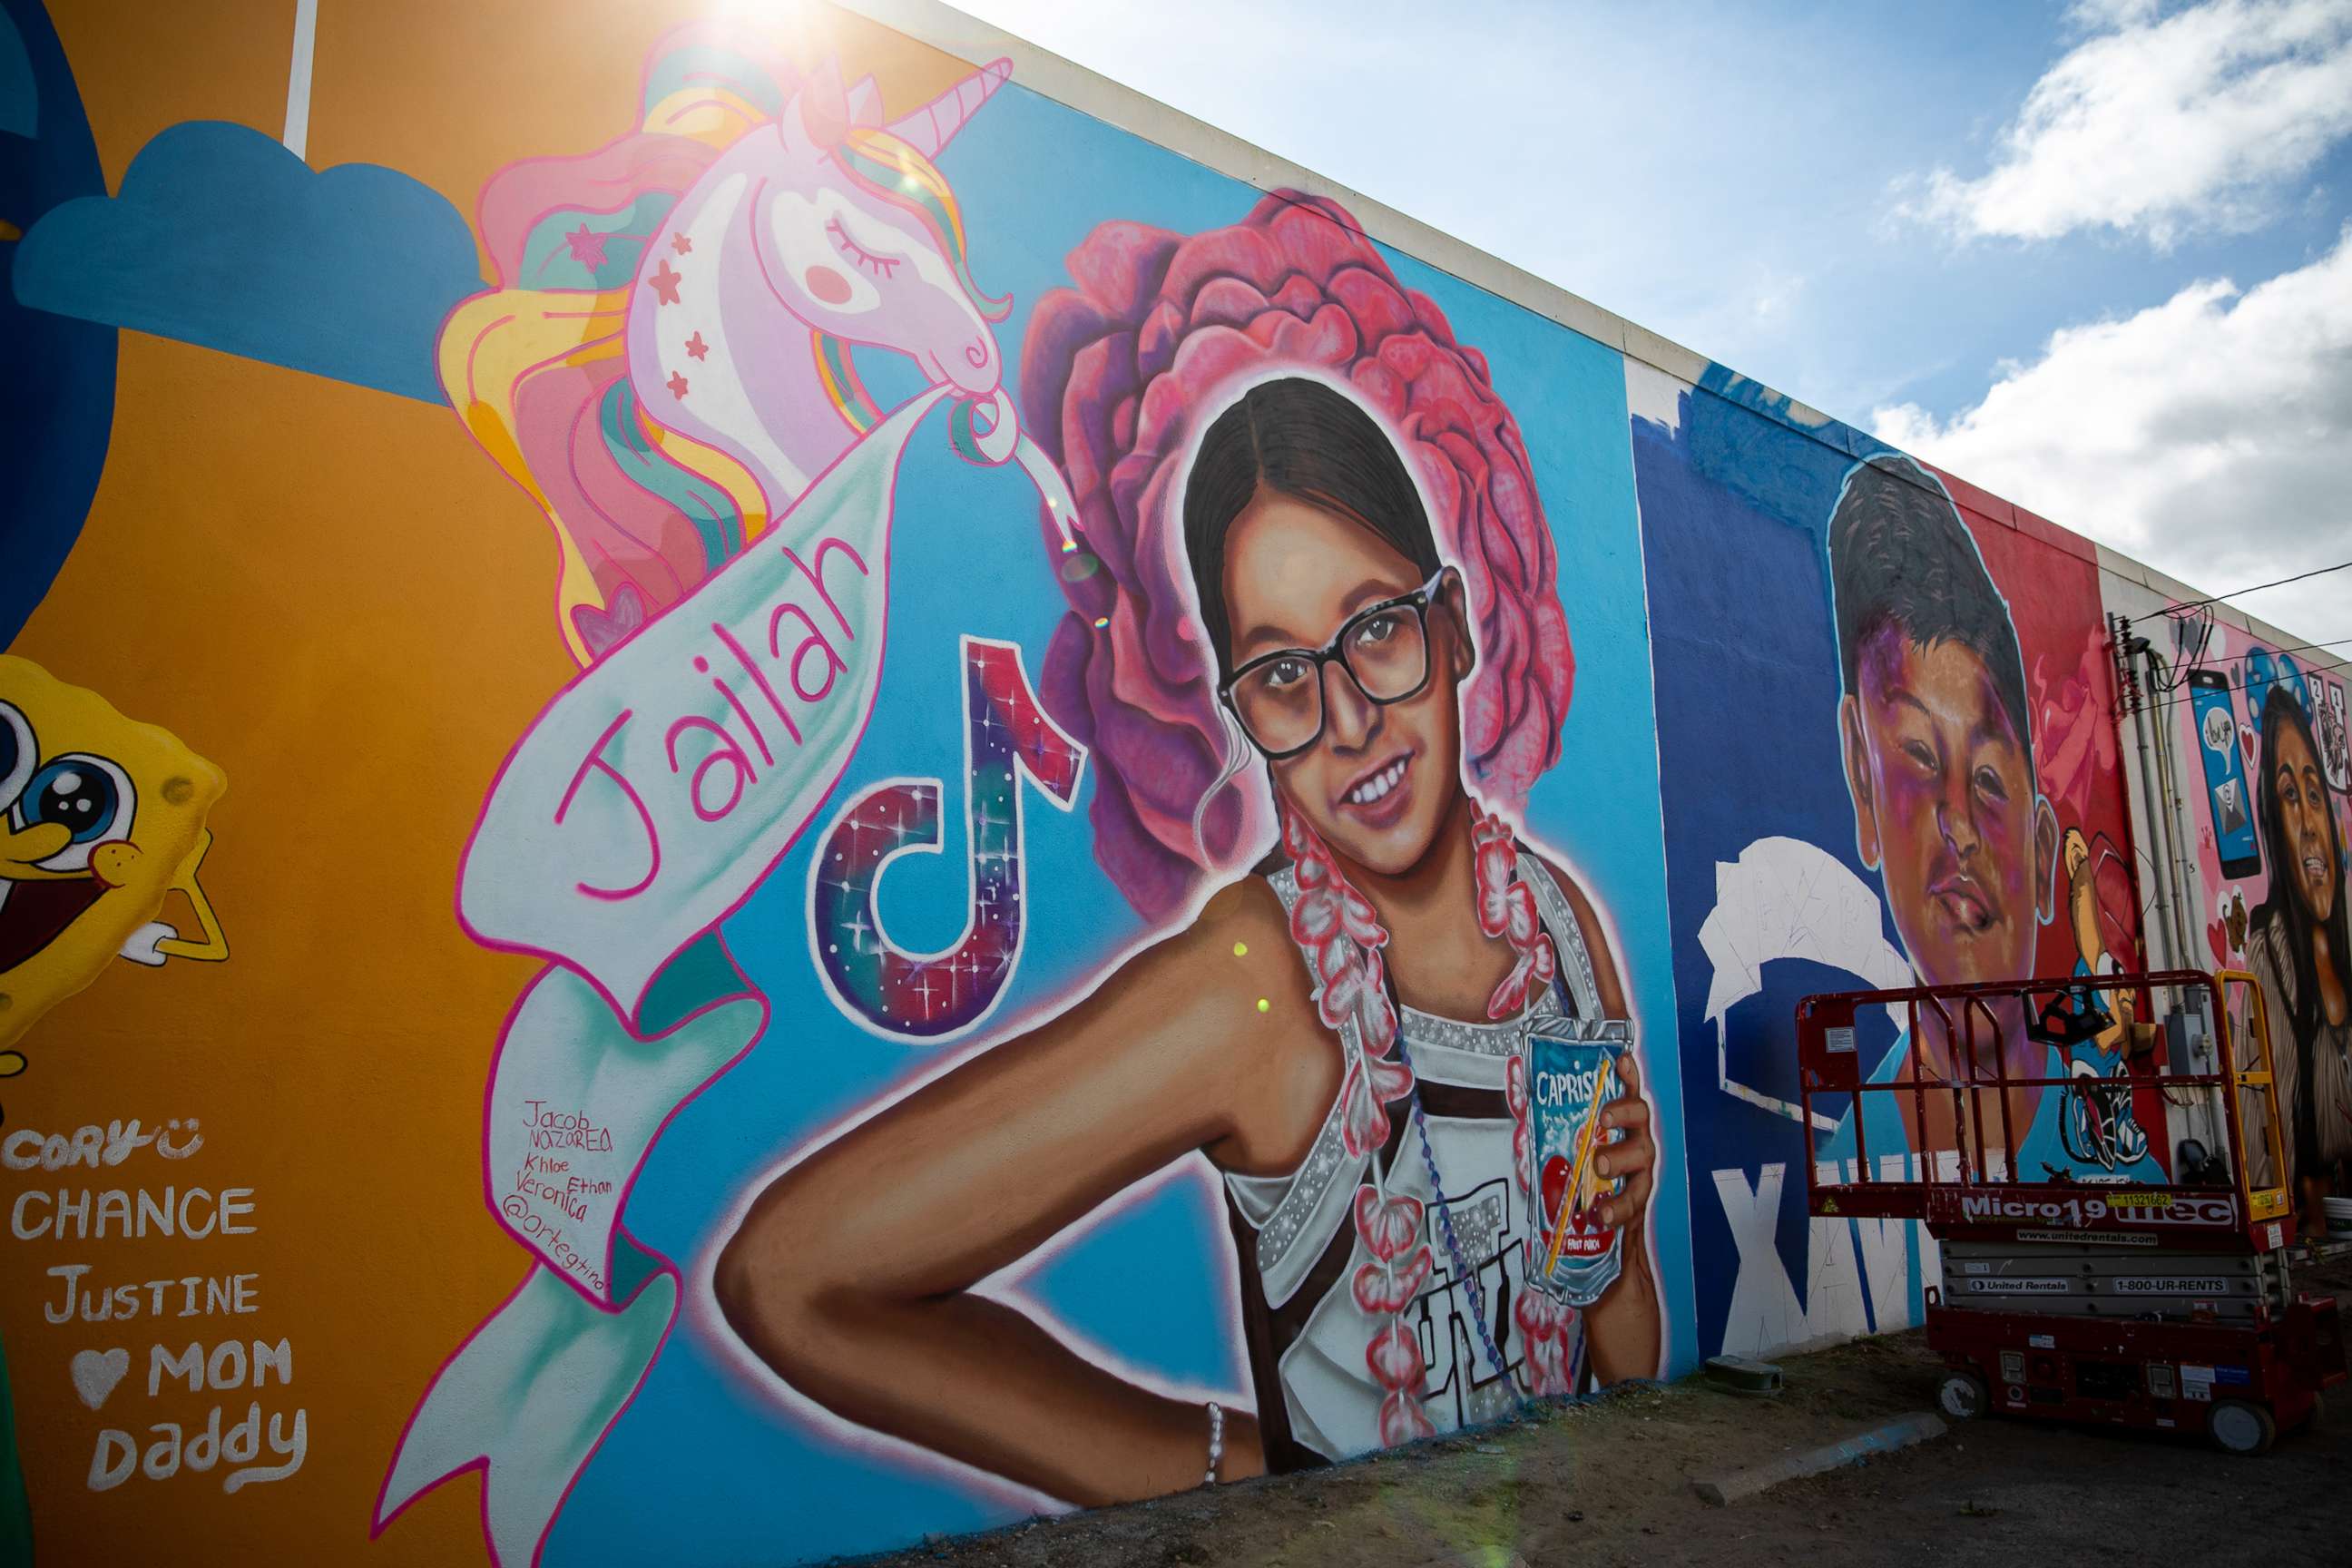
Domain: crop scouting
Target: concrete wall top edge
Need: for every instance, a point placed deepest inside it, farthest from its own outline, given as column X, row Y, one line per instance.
column 2148, row 582
column 1072, row 85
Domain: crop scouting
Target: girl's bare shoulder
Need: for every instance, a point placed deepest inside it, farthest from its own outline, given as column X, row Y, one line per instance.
column 1232, row 961
column 1239, row 942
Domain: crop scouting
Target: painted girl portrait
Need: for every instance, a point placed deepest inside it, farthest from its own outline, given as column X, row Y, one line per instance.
column 1339, row 1030
column 2298, row 948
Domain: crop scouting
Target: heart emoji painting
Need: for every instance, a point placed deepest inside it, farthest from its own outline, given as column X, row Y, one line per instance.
column 95, row 1374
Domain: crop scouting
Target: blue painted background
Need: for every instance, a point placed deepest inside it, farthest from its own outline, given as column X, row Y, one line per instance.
column 1147, row 1283
column 1735, row 508
column 1736, row 500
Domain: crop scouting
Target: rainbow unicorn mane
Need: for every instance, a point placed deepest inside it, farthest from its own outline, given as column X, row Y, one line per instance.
column 646, row 502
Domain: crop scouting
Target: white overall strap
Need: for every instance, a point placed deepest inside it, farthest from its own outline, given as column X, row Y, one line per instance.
column 1567, row 935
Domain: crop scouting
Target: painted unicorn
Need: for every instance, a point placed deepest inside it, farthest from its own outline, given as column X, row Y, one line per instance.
column 666, row 364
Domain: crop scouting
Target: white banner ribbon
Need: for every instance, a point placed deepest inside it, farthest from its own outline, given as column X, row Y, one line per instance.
column 527, row 1399
column 658, row 787
column 643, row 806
column 575, row 1101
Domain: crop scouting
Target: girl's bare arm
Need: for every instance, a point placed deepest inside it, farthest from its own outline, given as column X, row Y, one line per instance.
column 852, row 1273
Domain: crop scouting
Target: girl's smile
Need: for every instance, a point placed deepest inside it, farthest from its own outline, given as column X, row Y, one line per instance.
column 1383, row 793
column 1294, row 574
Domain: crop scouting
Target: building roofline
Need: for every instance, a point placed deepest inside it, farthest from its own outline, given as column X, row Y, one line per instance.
column 1074, row 87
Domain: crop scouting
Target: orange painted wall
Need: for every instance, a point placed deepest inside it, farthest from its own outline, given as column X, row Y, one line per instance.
column 295, row 576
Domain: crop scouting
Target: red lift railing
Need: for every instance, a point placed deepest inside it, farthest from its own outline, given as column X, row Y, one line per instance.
column 1950, row 1177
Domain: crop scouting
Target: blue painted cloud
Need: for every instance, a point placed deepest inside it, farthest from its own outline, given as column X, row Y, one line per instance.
column 221, row 236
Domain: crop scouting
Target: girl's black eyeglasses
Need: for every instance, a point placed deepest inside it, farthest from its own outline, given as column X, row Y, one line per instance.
column 1278, row 696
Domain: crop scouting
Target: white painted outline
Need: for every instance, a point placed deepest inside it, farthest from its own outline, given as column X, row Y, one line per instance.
column 1214, row 407
column 699, row 1306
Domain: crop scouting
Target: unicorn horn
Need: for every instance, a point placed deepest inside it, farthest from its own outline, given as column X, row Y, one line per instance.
column 934, row 125
column 866, row 102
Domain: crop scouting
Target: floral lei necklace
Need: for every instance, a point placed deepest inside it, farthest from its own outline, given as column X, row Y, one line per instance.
column 1341, row 933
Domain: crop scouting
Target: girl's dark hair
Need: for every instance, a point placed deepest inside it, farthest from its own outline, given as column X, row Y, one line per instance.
column 1900, row 559
column 1303, row 439
column 2281, row 713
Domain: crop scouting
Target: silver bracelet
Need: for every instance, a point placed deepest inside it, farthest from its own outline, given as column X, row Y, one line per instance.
column 1216, row 1441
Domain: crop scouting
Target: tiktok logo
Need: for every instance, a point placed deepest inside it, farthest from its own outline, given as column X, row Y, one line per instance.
column 1007, row 739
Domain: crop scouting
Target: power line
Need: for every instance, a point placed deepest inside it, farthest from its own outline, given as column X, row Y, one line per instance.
column 2157, row 707
column 2305, row 647
column 2241, row 592
column 2169, row 675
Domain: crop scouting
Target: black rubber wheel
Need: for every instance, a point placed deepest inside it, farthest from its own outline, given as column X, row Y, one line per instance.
column 2237, row 1427
column 1963, row 1397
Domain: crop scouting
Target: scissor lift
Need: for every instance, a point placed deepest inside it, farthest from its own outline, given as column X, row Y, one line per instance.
column 2166, row 1305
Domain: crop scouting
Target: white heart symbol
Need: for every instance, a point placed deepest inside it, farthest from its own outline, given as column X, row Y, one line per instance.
column 95, row 1375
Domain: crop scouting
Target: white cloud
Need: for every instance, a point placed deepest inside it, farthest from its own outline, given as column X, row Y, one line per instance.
column 2093, row 15
column 2156, row 125
column 2210, row 437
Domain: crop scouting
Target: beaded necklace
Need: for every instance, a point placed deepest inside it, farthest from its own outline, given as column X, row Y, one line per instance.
column 1341, row 933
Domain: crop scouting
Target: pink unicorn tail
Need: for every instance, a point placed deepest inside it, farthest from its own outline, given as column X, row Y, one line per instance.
column 934, row 125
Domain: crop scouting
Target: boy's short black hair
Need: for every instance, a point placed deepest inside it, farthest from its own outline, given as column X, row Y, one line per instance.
column 1901, row 557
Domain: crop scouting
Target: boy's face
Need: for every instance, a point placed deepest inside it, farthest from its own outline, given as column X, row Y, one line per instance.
column 1945, row 806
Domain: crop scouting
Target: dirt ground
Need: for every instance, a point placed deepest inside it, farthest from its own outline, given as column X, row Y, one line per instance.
column 1608, row 1482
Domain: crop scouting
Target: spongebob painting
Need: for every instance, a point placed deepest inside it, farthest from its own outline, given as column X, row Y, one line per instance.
column 101, row 820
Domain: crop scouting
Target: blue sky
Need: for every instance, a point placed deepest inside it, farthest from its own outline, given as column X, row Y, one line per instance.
column 2091, row 256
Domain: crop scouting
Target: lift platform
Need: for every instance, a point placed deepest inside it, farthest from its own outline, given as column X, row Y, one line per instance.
column 2133, row 1280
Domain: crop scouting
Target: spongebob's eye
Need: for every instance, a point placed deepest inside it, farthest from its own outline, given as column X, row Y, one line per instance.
column 19, row 753
column 89, row 796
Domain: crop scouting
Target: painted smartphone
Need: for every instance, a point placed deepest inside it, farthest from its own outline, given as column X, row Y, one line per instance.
column 2225, row 774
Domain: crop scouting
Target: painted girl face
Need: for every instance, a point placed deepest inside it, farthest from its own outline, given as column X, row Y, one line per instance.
column 1379, row 780
column 2303, row 810
column 1945, row 806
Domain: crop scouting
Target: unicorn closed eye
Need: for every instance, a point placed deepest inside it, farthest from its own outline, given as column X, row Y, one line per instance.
column 666, row 364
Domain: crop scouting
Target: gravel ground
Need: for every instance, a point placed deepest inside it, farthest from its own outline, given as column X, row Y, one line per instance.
column 1608, row 1482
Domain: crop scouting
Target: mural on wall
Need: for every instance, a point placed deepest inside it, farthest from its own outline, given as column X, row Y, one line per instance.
column 1307, row 667
column 2258, row 736
column 2298, row 945
column 664, row 368
column 222, row 236
column 1390, row 1198
column 1949, row 811
column 101, row 821
column 2098, row 1123
column 1055, row 914
column 1937, row 733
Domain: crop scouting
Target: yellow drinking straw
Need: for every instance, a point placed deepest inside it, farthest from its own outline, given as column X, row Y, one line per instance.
column 1584, row 1142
